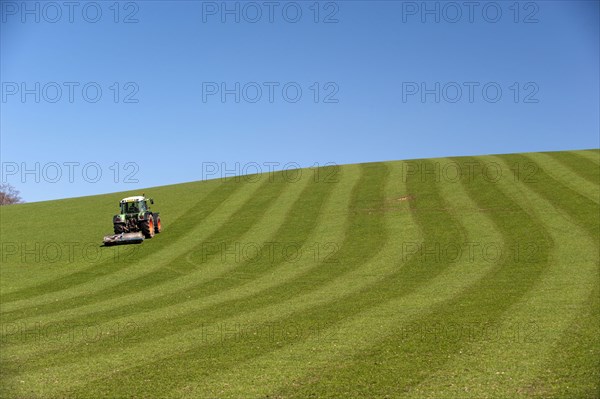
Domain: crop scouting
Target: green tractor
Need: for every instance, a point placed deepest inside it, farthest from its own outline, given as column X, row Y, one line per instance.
column 135, row 222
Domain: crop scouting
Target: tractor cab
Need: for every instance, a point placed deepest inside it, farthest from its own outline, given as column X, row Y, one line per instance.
column 134, row 205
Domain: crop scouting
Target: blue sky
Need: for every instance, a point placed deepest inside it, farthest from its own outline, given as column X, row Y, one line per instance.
column 103, row 96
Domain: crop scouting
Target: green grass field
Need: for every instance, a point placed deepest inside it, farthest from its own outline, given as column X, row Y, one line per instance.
column 470, row 277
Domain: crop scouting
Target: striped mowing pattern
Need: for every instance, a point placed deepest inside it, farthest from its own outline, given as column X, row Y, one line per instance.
column 392, row 279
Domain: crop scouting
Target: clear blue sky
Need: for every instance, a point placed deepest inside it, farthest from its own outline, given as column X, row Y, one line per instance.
column 371, row 62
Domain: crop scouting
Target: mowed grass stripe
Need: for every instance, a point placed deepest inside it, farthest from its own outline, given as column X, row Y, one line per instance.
column 333, row 346
column 583, row 166
column 300, row 220
column 578, row 207
column 505, row 363
column 124, row 310
column 592, row 155
column 196, row 213
column 229, row 231
column 402, row 367
column 364, row 193
column 565, row 175
column 574, row 368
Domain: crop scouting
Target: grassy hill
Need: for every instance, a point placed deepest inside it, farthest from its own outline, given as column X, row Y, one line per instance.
column 457, row 277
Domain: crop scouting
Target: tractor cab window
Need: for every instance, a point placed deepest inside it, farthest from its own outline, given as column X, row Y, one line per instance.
column 130, row 207
column 142, row 205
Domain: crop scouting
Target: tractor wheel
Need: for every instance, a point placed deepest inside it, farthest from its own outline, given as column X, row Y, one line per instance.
column 119, row 228
column 148, row 227
column 157, row 225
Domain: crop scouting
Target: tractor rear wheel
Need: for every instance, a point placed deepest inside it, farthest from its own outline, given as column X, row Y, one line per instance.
column 157, row 225
column 148, row 227
column 119, row 228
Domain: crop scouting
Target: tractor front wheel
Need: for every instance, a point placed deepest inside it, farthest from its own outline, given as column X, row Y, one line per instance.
column 158, row 225
column 148, row 227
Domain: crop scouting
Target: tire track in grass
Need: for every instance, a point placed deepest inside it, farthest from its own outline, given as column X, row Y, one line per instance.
column 584, row 167
column 566, row 176
column 282, row 367
column 300, row 221
column 179, row 228
column 230, row 230
column 398, row 363
column 504, row 366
